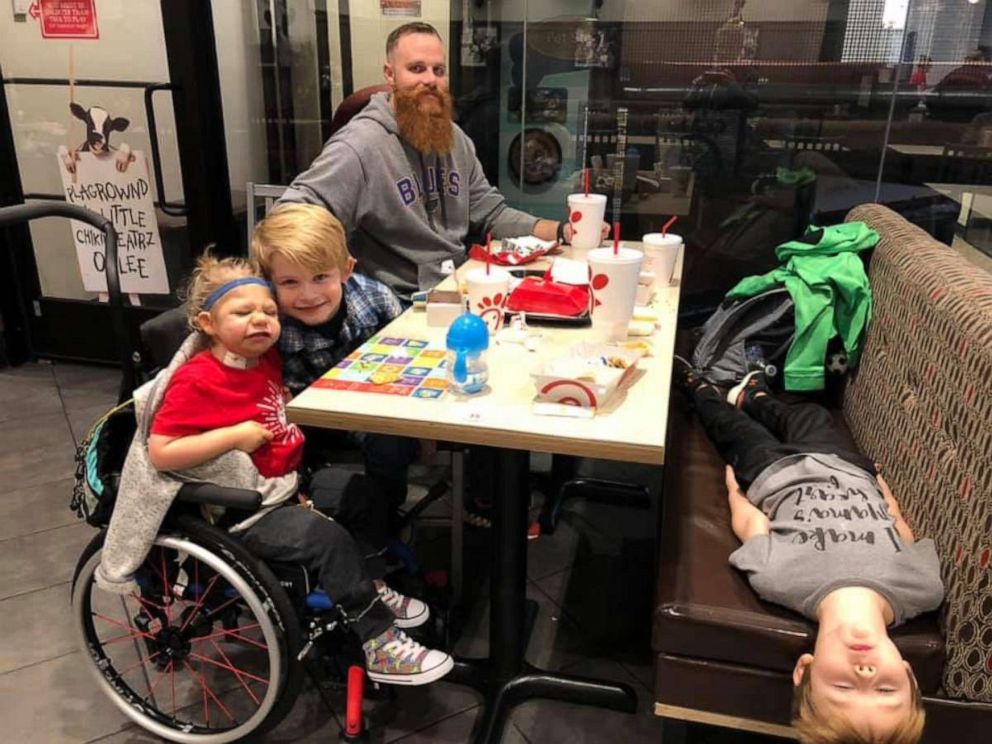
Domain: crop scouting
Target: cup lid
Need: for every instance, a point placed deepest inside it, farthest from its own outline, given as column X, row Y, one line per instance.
column 622, row 256
column 661, row 239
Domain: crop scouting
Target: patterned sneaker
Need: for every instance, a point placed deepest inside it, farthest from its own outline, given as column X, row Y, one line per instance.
column 753, row 383
column 396, row 659
column 409, row 612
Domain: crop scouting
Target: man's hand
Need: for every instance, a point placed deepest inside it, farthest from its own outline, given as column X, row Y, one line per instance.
column 250, row 435
column 746, row 519
column 548, row 230
column 569, row 233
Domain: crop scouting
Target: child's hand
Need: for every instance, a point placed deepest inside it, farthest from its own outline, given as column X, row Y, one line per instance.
column 733, row 487
column 250, row 435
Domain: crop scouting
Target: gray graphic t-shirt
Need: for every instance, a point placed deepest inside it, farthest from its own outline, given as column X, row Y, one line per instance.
column 831, row 528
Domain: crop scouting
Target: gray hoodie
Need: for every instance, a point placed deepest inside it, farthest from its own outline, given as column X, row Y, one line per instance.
column 406, row 213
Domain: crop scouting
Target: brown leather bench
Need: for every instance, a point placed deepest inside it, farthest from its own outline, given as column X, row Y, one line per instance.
column 723, row 655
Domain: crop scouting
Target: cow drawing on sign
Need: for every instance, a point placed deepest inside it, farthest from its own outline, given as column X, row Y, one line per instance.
column 99, row 126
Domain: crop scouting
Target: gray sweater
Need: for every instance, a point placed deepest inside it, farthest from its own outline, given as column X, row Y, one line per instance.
column 830, row 528
column 406, row 214
column 145, row 494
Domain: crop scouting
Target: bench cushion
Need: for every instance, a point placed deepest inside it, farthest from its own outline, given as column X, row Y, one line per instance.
column 922, row 405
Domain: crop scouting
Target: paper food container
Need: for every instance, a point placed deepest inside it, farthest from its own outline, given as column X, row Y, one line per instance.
column 588, row 376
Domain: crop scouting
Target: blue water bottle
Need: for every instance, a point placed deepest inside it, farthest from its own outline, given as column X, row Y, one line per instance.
column 467, row 341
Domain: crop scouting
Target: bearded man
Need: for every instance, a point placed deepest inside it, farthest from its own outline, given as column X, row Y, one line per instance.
column 404, row 180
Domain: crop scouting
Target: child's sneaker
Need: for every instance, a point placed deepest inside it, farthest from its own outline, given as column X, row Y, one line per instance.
column 396, row 659
column 409, row 612
column 753, row 383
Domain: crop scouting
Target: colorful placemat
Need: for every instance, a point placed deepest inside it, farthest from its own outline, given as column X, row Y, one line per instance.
column 391, row 366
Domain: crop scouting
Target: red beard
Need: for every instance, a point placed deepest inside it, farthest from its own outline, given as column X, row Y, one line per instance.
column 424, row 119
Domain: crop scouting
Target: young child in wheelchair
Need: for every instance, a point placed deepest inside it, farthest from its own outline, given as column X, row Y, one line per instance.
column 222, row 418
column 822, row 534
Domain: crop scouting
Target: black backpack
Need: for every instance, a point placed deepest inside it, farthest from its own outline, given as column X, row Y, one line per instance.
column 99, row 461
column 764, row 324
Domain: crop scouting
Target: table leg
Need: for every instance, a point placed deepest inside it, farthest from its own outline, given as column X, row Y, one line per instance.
column 505, row 679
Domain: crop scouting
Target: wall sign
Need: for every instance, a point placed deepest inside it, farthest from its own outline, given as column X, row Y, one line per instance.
column 66, row 19
column 407, row 8
column 126, row 199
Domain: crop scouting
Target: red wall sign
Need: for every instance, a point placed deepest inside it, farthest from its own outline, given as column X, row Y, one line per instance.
column 66, row 19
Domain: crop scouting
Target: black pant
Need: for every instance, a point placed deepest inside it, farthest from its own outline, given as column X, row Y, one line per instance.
column 767, row 430
column 294, row 534
column 359, row 505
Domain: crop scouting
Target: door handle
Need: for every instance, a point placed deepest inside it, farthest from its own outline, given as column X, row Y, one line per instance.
column 174, row 209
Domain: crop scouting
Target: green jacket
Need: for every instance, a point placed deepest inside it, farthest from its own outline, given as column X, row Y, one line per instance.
column 827, row 281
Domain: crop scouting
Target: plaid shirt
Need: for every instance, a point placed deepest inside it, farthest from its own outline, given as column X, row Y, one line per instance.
column 308, row 352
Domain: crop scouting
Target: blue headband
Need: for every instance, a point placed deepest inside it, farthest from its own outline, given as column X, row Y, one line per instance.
column 223, row 289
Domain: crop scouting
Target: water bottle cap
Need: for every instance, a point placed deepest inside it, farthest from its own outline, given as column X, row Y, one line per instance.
column 468, row 333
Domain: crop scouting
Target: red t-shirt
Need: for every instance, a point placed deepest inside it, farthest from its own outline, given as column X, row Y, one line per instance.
column 205, row 394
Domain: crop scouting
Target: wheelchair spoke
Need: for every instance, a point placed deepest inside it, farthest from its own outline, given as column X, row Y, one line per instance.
column 238, row 673
column 140, row 663
column 166, row 587
column 235, row 634
column 212, row 613
column 146, row 603
column 135, row 632
column 201, row 600
column 208, row 692
column 158, row 679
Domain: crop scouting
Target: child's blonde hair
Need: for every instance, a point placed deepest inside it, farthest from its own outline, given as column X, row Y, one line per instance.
column 303, row 234
column 815, row 728
column 209, row 274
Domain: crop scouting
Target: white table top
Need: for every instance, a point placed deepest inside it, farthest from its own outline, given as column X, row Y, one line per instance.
column 631, row 428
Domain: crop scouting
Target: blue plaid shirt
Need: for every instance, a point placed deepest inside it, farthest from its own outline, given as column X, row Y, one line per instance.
column 309, row 351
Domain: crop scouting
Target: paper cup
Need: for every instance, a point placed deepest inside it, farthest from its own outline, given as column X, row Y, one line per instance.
column 586, row 213
column 660, row 254
column 487, row 295
column 613, row 281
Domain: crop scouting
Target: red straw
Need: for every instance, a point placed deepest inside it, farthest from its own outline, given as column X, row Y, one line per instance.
column 585, row 179
column 616, row 238
column 489, row 251
column 664, row 228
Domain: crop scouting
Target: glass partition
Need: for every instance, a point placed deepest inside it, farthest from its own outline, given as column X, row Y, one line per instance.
column 746, row 120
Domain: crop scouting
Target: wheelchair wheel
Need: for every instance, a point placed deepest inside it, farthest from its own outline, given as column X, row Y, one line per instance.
column 205, row 651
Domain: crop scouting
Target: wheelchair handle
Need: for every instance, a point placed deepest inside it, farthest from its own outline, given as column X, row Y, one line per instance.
column 126, row 345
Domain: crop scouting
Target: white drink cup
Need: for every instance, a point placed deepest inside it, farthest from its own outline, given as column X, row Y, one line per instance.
column 660, row 254
column 613, row 283
column 585, row 213
column 487, row 295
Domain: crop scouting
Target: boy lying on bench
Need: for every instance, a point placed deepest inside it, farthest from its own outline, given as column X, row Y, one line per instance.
column 823, row 535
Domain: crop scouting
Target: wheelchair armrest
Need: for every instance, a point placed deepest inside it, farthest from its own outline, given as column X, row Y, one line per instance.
column 211, row 493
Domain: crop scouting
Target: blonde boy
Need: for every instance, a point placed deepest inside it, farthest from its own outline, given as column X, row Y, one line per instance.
column 822, row 534
column 327, row 311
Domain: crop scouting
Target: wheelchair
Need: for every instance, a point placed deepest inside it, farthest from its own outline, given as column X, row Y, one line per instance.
column 213, row 645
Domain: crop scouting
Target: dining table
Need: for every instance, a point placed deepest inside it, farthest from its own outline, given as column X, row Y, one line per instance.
column 505, row 416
